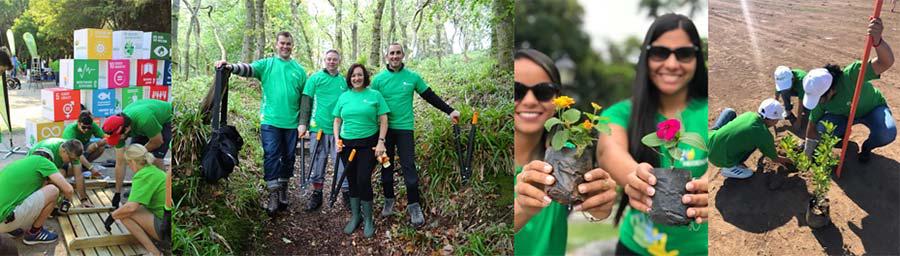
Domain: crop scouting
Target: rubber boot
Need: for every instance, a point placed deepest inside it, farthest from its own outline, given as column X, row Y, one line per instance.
column 368, row 221
column 273, row 202
column 415, row 214
column 355, row 219
column 283, row 199
column 315, row 201
column 388, row 208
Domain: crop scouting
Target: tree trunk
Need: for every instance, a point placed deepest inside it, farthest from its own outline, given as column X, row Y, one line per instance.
column 338, row 36
column 197, row 40
column 393, row 22
column 249, row 39
column 176, row 8
column 260, row 29
column 375, row 56
column 187, row 42
column 295, row 16
column 503, row 33
column 354, row 36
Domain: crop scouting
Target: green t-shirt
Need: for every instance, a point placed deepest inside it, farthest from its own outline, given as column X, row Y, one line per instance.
column 869, row 96
column 797, row 85
column 397, row 88
column 52, row 145
column 359, row 113
column 147, row 118
column 545, row 233
column 148, row 188
column 20, row 179
column 72, row 132
column 282, row 83
column 325, row 90
column 730, row 144
column 637, row 231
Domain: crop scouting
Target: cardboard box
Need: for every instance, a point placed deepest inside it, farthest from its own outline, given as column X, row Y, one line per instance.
column 145, row 72
column 160, row 46
column 94, row 44
column 126, row 96
column 79, row 74
column 101, row 102
column 158, row 92
column 117, row 74
column 163, row 72
column 60, row 104
column 38, row 129
column 129, row 44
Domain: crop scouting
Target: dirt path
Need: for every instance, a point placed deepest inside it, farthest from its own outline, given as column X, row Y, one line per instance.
column 748, row 217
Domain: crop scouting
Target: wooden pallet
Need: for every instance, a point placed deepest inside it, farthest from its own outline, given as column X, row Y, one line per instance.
column 85, row 234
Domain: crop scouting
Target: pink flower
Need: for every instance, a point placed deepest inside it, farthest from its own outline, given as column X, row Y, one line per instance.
column 668, row 129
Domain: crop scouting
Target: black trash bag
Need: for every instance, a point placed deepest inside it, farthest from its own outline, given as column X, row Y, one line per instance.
column 667, row 208
column 568, row 170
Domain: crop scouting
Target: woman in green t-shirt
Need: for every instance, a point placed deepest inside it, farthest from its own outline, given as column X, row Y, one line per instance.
column 540, row 224
column 360, row 121
column 142, row 215
column 670, row 83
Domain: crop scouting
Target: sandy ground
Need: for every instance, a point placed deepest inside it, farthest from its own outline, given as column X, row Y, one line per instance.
column 746, row 44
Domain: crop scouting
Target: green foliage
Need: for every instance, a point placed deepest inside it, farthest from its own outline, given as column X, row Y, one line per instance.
column 570, row 130
column 822, row 162
column 653, row 141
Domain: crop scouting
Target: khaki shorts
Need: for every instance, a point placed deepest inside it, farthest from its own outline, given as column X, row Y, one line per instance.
column 25, row 213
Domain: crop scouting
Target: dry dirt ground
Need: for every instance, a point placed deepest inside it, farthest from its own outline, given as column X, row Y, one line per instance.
column 745, row 46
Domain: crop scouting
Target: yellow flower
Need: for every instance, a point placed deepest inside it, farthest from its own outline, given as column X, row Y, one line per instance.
column 563, row 102
column 596, row 106
column 587, row 124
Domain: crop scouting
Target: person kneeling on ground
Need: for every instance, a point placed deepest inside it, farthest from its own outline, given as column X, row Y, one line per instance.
column 789, row 83
column 84, row 130
column 734, row 138
column 26, row 200
column 143, row 213
column 64, row 154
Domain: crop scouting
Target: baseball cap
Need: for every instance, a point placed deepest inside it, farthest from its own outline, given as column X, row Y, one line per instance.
column 815, row 84
column 114, row 126
column 783, row 78
column 771, row 109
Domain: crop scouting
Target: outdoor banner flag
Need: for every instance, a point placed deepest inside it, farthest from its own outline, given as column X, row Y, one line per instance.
column 12, row 41
column 4, row 103
column 29, row 42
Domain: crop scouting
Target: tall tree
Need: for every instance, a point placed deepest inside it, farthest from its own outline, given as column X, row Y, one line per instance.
column 185, row 71
column 249, row 38
column 504, row 33
column 375, row 55
column 354, row 36
column 176, row 8
column 260, row 29
column 295, row 16
column 393, row 27
column 338, row 36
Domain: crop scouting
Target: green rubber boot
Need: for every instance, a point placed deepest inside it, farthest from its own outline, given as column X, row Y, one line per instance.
column 355, row 219
column 369, row 223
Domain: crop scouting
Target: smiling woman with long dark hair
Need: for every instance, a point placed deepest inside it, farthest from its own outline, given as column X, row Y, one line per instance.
column 670, row 83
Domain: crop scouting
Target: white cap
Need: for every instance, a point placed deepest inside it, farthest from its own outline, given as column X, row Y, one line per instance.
column 783, row 78
column 771, row 109
column 815, row 84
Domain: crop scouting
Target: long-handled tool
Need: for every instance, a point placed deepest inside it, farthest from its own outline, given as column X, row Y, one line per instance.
column 859, row 81
column 303, row 176
column 336, row 185
column 465, row 154
column 306, row 173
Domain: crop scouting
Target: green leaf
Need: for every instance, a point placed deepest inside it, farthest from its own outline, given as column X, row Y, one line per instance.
column 553, row 121
column 592, row 117
column 571, row 116
column 694, row 140
column 559, row 139
column 604, row 129
column 652, row 141
column 674, row 153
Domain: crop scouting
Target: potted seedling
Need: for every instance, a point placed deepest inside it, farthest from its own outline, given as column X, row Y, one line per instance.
column 670, row 182
column 819, row 168
column 571, row 151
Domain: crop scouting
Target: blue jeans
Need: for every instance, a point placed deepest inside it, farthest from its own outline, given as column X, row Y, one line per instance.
column 880, row 122
column 278, row 149
column 726, row 116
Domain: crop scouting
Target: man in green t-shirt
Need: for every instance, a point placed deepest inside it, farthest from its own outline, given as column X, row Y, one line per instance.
column 64, row 154
column 26, row 200
column 282, row 79
column 734, row 138
column 323, row 88
column 789, row 83
column 830, row 90
column 147, row 122
column 85, row 130
column 397, row 84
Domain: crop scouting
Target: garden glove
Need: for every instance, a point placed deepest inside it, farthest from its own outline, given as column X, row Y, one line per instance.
column 809, row 147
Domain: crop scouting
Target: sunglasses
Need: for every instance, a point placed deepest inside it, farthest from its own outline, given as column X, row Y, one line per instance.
column 541, row 91
column 683, row 54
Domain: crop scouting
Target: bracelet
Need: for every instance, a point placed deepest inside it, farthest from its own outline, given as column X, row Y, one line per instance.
column 590, row 218
column 380, row 139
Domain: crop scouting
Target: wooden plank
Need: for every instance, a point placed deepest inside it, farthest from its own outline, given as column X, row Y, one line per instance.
column 95, row 209
column 98, row 222
column 91, row 227
column 96, row 241
column 80, row 231
column 105, row 197
column 68, row 234
column 99, row 184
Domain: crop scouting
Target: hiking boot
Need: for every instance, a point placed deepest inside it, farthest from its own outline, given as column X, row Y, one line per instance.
column 16, row 233
column 415, row 214
column 368, row 221
column 43, row 236
column 355, row 217
column 388, row 208
column 864, row 156
column 315, row 201
column 345, row 195
column 273, row 202
column 283, row 198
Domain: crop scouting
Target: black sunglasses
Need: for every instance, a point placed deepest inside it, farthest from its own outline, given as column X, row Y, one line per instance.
column 683, row 54
column 542, row 91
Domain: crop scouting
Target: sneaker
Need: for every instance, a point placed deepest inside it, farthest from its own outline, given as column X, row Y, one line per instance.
column 16, row 233
column 864, row 156
column 43, row 236
column 737, row 172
